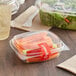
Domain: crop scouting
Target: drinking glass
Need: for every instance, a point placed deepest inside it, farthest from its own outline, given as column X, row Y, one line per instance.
column 5, row 19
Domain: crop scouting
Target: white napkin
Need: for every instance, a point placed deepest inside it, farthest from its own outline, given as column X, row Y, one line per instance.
column 69, row 65
column 26, row 18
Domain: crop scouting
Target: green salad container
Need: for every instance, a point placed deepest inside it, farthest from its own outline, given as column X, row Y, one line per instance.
column 58, row 13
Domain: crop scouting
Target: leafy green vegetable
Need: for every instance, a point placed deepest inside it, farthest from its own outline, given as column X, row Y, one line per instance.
column 58, row 20
column 72, row 24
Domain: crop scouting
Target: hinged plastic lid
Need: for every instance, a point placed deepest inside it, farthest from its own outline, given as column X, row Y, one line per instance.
column 39, row 44
column 64, row 6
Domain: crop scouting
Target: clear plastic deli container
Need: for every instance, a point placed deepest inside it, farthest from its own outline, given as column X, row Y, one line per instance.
column 58, row 13
column 15, row 4
column 36, row 46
